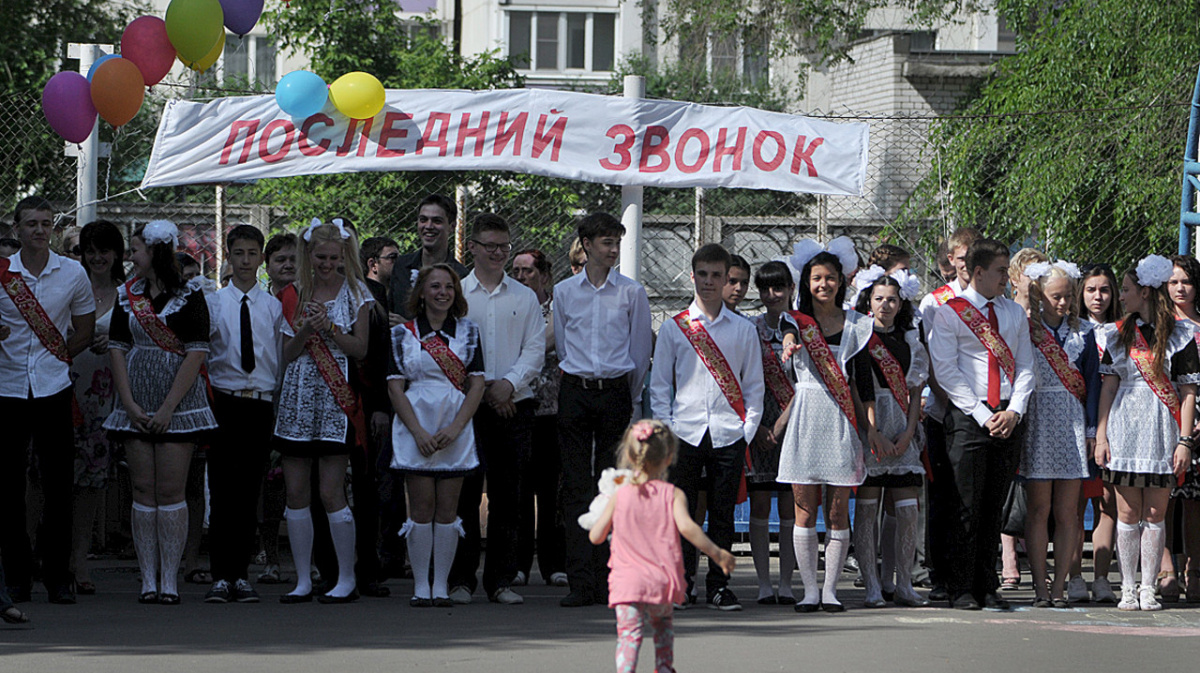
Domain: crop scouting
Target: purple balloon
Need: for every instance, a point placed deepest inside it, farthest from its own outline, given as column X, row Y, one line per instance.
column 67, row 104
column 241, row 15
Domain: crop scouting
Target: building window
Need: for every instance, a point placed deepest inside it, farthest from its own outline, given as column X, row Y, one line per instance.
column 250, row 60
column 559, row 41
column 740, row 55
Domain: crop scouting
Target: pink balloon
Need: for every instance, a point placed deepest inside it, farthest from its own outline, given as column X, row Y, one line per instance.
column 67, row 104
column 145, row 43
column 241, row 15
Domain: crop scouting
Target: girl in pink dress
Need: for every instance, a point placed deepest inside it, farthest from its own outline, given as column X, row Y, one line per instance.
column 646, row 516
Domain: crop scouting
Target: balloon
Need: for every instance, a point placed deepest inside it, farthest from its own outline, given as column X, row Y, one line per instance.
column 301, row 93
column 210, row 58
column 194, row 26
column 118, row 90
column 96, row 64
column 241, row 15
column 67, row 104
column 145, row 42
column 357, row 95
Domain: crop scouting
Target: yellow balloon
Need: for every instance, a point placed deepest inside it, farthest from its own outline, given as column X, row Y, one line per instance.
column 209, row 59
column 357, row 95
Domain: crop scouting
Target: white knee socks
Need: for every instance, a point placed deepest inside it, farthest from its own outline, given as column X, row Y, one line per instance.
column 341, row 529
column 420, row 549
column 1129, row 547
column 887, row 552
column 760, row 550
column 1154, row 536
column 837, row 547
column 905, row 547
column 805, row 541
column 787, row 556
column 300, row 538
column 172, row 526
column 445, row 544
column 866, row 514
column 144, row 523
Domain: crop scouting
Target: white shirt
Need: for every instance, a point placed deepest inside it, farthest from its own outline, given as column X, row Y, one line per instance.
column 64, row 291
column 512, row 331
column 603, row 332
column 960, row 360
column 225, row 358
column 699, row 405
column 934, row 407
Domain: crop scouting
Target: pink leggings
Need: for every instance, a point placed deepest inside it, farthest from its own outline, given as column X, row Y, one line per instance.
column 632, row 618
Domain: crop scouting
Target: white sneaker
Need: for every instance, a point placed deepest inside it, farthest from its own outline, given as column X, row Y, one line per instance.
column 1129, row 599
column 506, row 596
column 1077, row 591
column 1147, row 600
column 520, row 579
column 559, row 579
column 460, row 596
column 1102, row 592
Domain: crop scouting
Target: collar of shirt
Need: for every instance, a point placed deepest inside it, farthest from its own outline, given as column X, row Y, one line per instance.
column 18, row 265
column 584, row 282
column 977, row 300
column 253, row 295
column 695, row 313
column 471, row 284
column 447, row 330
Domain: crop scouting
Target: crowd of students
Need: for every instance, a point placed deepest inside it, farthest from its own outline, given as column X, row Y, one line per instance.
column 423, row 380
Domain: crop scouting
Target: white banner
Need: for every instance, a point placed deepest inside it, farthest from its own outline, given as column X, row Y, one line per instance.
column 559, row 134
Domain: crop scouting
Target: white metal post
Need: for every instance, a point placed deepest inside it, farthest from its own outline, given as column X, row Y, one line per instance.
column 631, row 202
column 89, row 150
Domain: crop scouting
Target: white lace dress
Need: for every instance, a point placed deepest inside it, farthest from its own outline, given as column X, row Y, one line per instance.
column 820, row 445
column 1059, row 425
column 890, row 418
column 307, row 409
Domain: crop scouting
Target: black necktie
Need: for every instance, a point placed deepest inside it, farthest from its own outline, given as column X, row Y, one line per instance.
column 247, row 337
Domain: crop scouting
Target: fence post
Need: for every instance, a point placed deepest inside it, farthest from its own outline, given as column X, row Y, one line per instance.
column 460, row 224
column 89, row 150
column 631, row 203
column 220, row 229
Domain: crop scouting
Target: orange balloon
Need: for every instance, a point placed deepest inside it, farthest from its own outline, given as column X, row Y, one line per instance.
column 118, row 90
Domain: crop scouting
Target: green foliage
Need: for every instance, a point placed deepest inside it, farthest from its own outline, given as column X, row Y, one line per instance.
column 1099, row 182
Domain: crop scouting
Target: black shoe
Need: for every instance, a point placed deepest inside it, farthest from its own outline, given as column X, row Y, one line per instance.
column 805, row 608
column 965, row 602
column 374, row 590
column 416, row 602
column 219, row 593
column 992, row 601
column 338, row 600
column 889, row 596
column 576, row 599
column 292, row 599
column 62, row 594
column 443, row 602
column 19, row 594
column 244, row 593
column 832, row 607
column 724, row 600
column 939, row 593
column 148, row 598
column 768, row 600
column 168, row 599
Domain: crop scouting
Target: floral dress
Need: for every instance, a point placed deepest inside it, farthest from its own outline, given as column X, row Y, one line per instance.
column 95, row 395
column 1055, row 445
column 906, row 347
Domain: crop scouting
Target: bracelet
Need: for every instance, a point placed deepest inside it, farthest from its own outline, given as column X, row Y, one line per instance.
column 1188, row 441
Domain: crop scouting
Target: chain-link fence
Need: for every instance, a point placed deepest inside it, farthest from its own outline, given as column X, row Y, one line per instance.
column 909, row 200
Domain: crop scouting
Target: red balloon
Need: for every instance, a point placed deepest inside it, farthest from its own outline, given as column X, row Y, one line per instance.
column 118, row 90
column 145, row 43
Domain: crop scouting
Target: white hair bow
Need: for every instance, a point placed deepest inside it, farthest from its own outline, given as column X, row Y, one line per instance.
column 337, row 222
column 1154, row 270
column 161, row 231
column 841, row 247
column 867, row 276
column 910, row 285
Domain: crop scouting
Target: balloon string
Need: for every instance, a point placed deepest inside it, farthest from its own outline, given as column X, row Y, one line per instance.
column 112, row 150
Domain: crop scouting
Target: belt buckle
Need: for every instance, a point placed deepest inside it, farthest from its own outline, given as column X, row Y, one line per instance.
column 599, row 384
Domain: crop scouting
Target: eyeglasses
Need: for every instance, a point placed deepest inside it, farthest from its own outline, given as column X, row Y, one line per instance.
column 493, row 247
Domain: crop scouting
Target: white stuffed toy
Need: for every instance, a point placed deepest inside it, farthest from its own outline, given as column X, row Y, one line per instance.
column 610, row 480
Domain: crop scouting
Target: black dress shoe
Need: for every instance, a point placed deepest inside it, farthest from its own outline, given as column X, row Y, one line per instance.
column 965, row 602
column 338, row 600
column 806, row 608
column 576, row 599
column 993, row 602
column 939, row 593
column 291, row 599
column 62, row 594
column 832, row 607
column 888, row 596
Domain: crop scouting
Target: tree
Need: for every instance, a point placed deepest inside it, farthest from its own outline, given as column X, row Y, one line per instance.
column 1100, row 180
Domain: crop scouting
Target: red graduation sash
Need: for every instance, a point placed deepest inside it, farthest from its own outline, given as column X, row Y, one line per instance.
column 977, row 322
column 943, row 294
column 1070, row 377
column 154, row 327
column 1161, row 385
column 714, row 360
column 31, row 310
column 446, row 360
column 775, row 377
column 327, row 365
column 827, row 366
column 893, row 374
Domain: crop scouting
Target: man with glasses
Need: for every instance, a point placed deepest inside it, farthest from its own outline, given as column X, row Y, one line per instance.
column 436, row 216
column 512, row 334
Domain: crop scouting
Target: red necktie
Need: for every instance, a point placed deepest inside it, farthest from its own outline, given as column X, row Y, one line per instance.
column 993, row 398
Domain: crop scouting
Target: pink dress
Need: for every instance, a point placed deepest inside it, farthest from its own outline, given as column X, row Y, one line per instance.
column 646, row 560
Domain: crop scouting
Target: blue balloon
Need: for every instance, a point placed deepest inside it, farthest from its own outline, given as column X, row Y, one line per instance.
column 301, row 93
column 97, row 62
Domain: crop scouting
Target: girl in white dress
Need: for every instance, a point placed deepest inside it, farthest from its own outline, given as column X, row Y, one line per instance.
column 1150, row 369
column 324, row 333
column 1061, row 430
column 438, row 357
column 822, row 445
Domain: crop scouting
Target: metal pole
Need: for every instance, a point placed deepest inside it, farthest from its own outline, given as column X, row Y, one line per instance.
column 631, row 203
column 1191, row 168
column 89, row 150
column 220, row 227
column 460, row 224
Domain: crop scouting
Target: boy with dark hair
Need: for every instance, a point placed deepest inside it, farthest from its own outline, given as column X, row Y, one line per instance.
column 738, row 282
column 243, row 368
column 436, row 216
column 709, row 358
column 602, row 335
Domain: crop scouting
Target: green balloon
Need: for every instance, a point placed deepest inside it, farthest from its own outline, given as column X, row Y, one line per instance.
column 194, row 26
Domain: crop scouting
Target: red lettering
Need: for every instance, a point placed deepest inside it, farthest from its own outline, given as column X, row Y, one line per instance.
column 289, row 130
column 505, row 133
column 428, row 139
column 478, row 133
column 553, row 136
column 682, row 145
column 302, row 140
column 805, row 156
column 720, row 149
column 250, row 126
column 621, row 149
column 389, row 131
column 353, row 137
column 655, row 149
column 780, row 153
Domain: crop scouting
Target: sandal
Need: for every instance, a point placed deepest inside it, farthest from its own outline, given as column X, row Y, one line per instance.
column 168, row 599
column 198, row 576
column 1168, row 586
column 270, row 575
column 148, row 598
column 14, row 616
column 85, row 588
column 1010, row 584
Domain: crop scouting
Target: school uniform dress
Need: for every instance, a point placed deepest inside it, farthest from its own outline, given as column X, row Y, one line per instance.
column 762, row 466
column 821, row 446
column 1142, row 433
column 1059, row 425
column 1190, row 490
column 906, row 469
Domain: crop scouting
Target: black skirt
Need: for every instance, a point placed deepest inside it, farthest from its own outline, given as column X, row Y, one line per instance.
column 1139, row 480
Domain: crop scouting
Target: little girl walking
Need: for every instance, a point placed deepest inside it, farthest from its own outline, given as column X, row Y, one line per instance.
column 646, row 516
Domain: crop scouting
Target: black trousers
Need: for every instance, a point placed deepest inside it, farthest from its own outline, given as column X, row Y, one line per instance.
column 542, row 529
column 237, row 463
column 590, row 426
column 983, row 469
column 939, row 484
column 364, row 485
column 504, row 446
column 724, row 465
column 47, row 421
